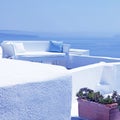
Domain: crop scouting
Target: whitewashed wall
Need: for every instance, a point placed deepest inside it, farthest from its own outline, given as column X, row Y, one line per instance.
column 78, row 60
column 34, row 91
column 104, row 77
column 87, row 76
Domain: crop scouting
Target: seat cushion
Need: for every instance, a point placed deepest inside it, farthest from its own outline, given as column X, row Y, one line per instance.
column 41, row 54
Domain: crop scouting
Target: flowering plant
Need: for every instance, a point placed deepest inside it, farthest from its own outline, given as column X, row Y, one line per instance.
column 91, row 95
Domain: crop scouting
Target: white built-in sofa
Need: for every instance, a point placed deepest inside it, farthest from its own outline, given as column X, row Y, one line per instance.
column 54, row 52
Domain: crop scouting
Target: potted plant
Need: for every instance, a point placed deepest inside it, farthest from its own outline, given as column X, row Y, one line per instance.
column 94, row 106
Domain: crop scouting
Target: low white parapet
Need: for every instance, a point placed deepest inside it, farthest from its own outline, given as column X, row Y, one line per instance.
column 84, row 60
column 34, row 91
column 115, row 82
column 87, row 76
column 110, row 79
column 78, row 52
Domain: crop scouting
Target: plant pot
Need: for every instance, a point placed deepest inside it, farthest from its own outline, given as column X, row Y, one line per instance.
column 96, row 111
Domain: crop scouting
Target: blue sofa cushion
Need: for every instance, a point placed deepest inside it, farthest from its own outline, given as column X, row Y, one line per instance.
column 56, row 46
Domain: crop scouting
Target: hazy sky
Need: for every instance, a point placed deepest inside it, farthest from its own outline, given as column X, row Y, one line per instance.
column 91, row 16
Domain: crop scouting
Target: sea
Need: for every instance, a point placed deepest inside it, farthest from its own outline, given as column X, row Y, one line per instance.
column 98, row 46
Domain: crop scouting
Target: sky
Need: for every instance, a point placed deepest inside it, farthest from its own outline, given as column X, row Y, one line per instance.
column 61, row 16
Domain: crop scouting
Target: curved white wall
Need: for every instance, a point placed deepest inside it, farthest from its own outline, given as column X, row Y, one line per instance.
column 103, row 77
column 34, row 91
column 87, row 76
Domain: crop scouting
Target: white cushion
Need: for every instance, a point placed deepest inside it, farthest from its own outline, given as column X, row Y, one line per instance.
column 41, row 54
column 19, row 47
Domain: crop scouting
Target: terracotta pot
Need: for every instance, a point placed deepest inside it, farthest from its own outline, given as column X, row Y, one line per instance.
column 96, row 111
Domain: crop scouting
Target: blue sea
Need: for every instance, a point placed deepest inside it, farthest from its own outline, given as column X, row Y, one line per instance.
column 99, row 46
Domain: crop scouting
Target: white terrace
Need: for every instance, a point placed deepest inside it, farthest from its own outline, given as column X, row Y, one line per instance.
column 37, row 91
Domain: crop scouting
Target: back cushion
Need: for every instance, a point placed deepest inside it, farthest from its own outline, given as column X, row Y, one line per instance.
column 36, row 45
column 56, row 46
column 19, row 47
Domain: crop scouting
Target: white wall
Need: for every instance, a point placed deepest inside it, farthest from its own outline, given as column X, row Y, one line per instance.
column 78, row 60
column 87, row 76
column 34, row 91
column 110, row 79
column 116, row 73
column 103, row 77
